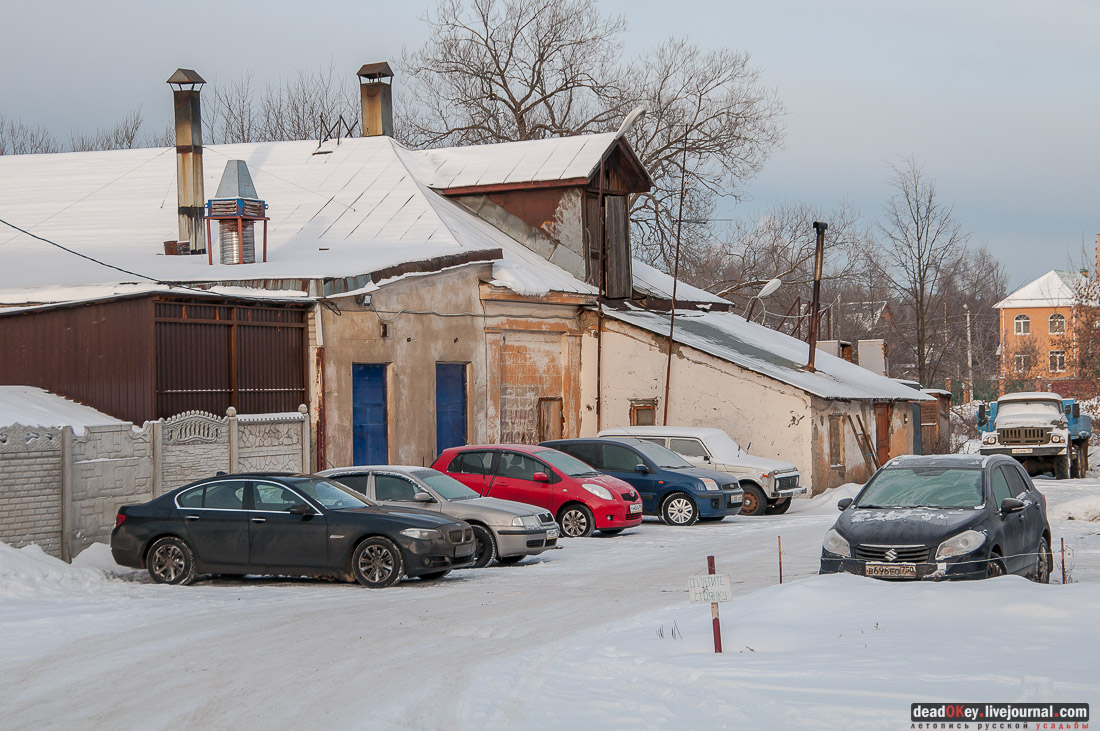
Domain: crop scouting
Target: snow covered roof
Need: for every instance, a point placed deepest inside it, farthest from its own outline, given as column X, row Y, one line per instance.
column 1056, row 288
column 532, row 161
column 31, row 406
column 770, row 353
column 655, row 283
column 365, row 205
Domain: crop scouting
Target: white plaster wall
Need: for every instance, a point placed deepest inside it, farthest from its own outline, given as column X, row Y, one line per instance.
column 766, row 416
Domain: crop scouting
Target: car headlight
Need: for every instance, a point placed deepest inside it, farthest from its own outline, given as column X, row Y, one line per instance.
column 526, row 521
column 709, row 484
column 989, row 439
column 1057, row 439
column 601, row 492
column 965, row 542
column 834, row 543
column 422, row 534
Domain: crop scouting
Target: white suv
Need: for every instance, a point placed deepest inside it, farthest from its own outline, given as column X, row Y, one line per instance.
column 769, row 484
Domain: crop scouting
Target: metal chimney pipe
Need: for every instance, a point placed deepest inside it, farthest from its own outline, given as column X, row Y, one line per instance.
column 815, row 308
column 185, row 85
column 376, row 98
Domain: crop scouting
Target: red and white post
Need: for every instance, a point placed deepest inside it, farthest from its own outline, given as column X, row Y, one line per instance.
column 717, row 626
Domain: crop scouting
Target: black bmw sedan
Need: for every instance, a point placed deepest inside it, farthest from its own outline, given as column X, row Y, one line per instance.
column 942, row 517
column 284, row 524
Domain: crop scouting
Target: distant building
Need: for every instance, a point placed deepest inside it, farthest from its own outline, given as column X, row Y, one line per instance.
column 1038, row 325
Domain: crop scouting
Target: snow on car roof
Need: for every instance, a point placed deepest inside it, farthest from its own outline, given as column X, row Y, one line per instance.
column 365, row 205
column 688, row 431
column 730, row 337
column 32, row 406
column 1030, row 396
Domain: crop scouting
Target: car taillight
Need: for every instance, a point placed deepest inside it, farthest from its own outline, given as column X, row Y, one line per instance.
column 119, row 519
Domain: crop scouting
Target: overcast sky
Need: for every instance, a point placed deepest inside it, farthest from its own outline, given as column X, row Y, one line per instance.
column 997, row 98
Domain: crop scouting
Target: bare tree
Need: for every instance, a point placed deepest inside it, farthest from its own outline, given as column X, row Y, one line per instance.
column 122, row 136
column 920, row 239
column 19, row 138
column 508, row 70
column 291, row 110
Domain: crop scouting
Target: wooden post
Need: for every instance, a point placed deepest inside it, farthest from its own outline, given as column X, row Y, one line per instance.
column 1063, row 560
column 714, row 612
column 779, row 539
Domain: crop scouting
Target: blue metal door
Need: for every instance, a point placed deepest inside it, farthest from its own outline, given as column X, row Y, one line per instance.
column 450, row 405
column 368, row 413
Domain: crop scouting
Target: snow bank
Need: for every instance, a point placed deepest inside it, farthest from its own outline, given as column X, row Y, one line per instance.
column 30, row 572
column 1081, row 508
column 825, row 503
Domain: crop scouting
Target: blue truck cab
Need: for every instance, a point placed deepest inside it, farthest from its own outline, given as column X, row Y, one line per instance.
column 1043, row 431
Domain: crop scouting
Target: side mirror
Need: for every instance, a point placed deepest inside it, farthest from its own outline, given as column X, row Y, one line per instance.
column 982, row 419
column 641, row 469
column 1011, row 505
column 301, row 509
column 423, row 497
column 843, row 503
column 1076, row 411
column 706, row 458
column 540, row 477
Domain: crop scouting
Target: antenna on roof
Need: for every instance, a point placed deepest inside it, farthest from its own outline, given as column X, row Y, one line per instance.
column 631, row 119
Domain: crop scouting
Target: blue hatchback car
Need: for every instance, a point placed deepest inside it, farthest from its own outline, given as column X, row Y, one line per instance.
column 671, row 487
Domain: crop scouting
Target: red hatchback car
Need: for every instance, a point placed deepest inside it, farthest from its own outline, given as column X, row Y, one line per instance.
column 582, row 498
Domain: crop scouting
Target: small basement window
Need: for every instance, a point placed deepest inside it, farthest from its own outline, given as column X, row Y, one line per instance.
column 643, row 413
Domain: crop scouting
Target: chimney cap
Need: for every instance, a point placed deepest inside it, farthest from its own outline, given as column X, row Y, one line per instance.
column 185, row 76
column 375, row 71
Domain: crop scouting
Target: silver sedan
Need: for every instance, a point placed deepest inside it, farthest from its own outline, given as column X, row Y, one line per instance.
column 504, row 530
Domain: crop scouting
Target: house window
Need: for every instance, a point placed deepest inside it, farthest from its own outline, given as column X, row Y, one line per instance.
column 643, row 413
column 1057, row 361
column 1023, row 362
column 1057, row 324
column 1023, row 325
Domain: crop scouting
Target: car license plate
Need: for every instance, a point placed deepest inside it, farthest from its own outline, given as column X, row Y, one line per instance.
column 465, row 550
column 892, row 570
column 636, row 508
column 1022, row 450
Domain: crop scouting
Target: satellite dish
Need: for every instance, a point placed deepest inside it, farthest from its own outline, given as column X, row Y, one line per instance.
column 631, row 119
column 769, row 287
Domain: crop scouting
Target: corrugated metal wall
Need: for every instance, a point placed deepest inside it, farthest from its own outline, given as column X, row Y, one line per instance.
column 147, row 358
column 99, row 354
column 210, row 357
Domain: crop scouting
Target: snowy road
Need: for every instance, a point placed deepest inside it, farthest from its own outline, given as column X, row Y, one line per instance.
column 598, row 635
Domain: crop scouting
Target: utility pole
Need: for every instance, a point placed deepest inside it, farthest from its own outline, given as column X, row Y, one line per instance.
column 969, row 355
column 675, row 278
column 815, row 307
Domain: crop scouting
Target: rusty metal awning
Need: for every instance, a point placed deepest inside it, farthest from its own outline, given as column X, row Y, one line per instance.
column 375, row 71
column 185, row 76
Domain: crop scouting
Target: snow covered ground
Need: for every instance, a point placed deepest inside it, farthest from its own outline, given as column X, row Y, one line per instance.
column 597, row 635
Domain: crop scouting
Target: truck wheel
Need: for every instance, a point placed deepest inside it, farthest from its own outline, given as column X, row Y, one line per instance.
column 755, row 501
column 1061, row 467
column 778, row 507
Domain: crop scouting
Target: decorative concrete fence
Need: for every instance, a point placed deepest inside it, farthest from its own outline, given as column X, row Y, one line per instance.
column 62, row 490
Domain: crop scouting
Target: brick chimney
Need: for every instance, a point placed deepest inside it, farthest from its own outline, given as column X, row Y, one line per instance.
column 377, row 99
column 185, row 85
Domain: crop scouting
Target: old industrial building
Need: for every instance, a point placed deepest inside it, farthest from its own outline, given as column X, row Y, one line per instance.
column 413, row 299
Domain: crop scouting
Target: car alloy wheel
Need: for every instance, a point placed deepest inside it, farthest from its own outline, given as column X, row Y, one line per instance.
column 485, row 547
column 679, row 509
column 1043, row 563
column 576, row 521
column 994, row 567
column 171, row 562
column 377, row 563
